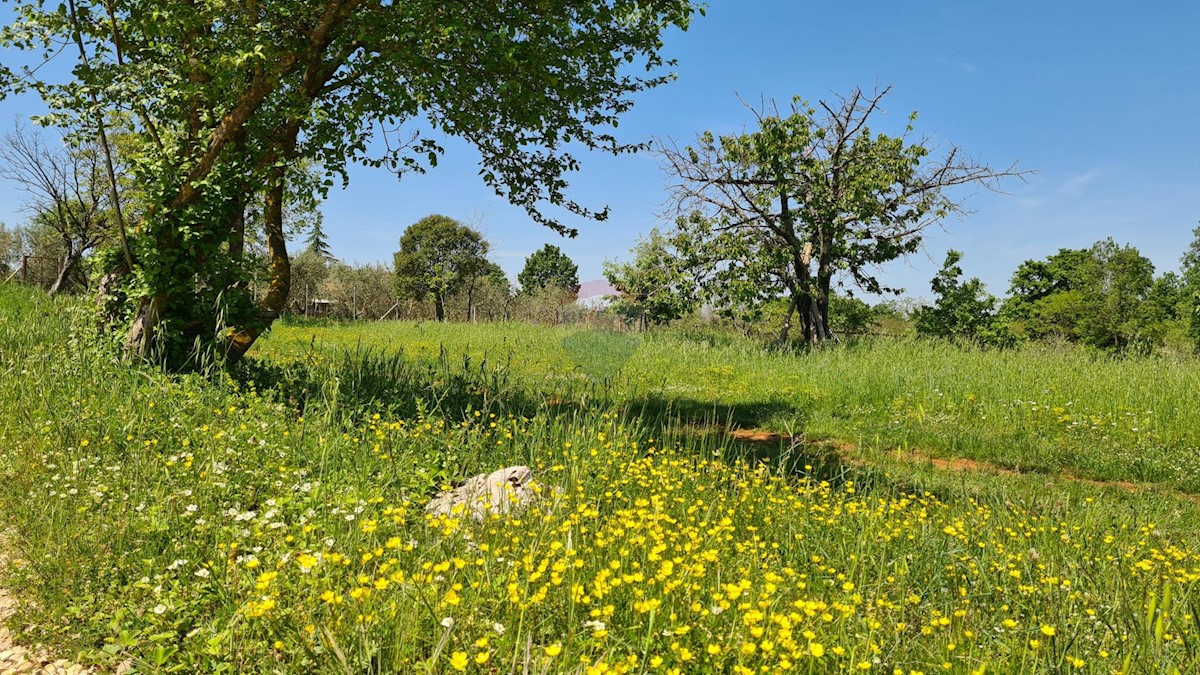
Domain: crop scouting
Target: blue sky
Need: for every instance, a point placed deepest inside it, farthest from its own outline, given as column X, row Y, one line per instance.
column 1101, row 98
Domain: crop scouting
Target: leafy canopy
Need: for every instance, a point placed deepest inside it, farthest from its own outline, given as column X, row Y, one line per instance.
column 549, row 267
column 961, row 310
column 1097, row 296
column 438, row 256
column 1190, row 276
column 654, row 286
column 216, row 100
column 810, row 197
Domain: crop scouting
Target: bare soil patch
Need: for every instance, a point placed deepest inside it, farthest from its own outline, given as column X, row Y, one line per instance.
column 851, row 455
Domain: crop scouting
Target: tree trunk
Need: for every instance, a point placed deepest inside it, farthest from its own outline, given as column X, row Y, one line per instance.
column 70, row 262
column 439, row 307
column 107, row 307
column 787, row 319
column 239, row 340
column 143, row 332
column 824, row 280
column 822, row 306
column 804, row 297
column 819, row 332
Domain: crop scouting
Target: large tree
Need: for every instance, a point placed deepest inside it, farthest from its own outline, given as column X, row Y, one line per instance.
column 814, row 196
column 549, row 266
column 221, row 98
column 438, row 257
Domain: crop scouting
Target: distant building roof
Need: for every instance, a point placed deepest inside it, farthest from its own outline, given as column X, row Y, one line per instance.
column 596, row 288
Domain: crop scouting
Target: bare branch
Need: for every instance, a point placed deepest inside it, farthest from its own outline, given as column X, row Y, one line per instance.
column 816, row 195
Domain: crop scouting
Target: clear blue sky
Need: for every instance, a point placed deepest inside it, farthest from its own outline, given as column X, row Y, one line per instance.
column 1101, row 97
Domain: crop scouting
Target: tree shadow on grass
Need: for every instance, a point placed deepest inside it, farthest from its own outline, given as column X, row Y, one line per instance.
column 736, row 432
column 768, row 433
column 349, row 385
column 358, row 382
column 688, row 411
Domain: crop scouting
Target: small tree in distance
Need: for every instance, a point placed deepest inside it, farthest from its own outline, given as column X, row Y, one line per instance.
column 549, row 266
column 1190, row 272
column 318, row 241
column 438, row 255
column 963, row 310
column 657, row 286
column 67, row 193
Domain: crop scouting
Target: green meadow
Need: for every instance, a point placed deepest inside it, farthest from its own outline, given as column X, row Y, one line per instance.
column 704, row 505
column 1038, row 409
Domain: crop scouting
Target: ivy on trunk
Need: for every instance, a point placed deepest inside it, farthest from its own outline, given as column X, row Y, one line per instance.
column 209, row 103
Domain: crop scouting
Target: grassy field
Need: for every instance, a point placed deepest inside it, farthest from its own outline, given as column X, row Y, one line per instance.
column 1038, row 409
column 271, row 520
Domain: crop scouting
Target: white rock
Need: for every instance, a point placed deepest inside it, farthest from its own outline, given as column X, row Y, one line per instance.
column 497, row 492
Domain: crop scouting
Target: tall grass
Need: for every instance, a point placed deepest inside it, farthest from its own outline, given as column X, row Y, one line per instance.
column 1038, row 408
column 271, row 520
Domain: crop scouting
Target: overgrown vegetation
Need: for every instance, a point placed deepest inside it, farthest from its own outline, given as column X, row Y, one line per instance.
column 271, row 521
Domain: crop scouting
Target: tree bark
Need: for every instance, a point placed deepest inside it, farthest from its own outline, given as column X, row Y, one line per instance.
column 439, row 307
column 240, row 338
column 139, row 341
column 70, row 262
column 821, row 328
column 787, row 319
column 817, row 325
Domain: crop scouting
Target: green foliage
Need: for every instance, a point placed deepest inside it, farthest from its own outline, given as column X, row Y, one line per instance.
column 1190, row 273
column 1103, row 296
column 657, row 286
column 310, row 270
column 808, row 199
column 10, row 249
column 851, row 316
column 213, row 104
column 438, row 256
column 549, row 266
column 318, row 241
column 961, row 310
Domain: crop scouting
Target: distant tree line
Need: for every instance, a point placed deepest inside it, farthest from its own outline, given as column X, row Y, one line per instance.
column 1105, row 296
column 441, row 272
column 775, row 230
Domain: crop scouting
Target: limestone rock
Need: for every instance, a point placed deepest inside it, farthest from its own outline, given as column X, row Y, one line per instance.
column 498, row 492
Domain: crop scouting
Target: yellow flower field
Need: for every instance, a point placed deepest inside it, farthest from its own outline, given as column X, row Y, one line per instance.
column 273, row 521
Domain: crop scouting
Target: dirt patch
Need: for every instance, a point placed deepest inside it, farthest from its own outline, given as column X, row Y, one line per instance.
column 850, row 454
column 1123, row 484
column 760, row 436
column 765, row 437
column 964, row 464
